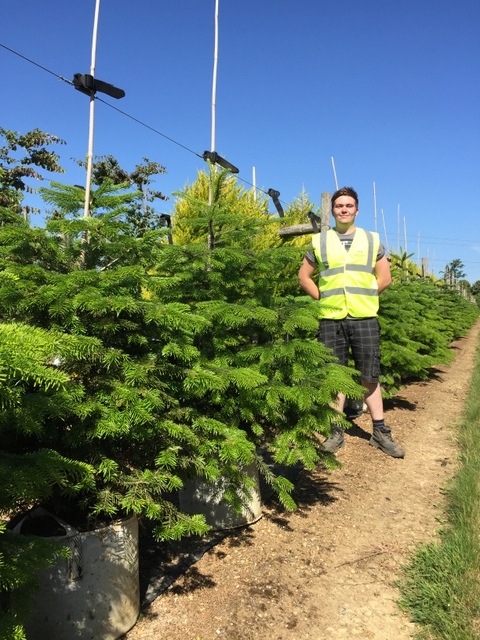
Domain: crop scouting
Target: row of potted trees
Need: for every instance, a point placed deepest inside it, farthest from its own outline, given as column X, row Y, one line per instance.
column 133, row 370
column 139, row 366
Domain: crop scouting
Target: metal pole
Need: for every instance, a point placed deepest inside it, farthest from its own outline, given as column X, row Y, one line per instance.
column 86, row 211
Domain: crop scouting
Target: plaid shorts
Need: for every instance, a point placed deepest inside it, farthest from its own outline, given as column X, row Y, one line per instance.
column 359, row 338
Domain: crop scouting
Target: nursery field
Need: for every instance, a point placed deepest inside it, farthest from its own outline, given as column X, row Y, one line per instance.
column 327, row 570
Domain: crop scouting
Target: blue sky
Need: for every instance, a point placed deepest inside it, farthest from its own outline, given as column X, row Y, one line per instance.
column 389, row 90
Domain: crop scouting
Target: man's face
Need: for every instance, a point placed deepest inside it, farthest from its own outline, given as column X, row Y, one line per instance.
column 345, row 210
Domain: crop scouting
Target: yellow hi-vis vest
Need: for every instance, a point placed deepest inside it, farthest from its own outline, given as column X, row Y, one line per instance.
column 347, row 282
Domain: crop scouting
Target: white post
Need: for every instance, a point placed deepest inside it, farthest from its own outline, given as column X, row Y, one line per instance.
column 398, row 227
column 211, row 238
column 387, row 248
column 214, row 84
column 86, row 211
column 334, row 174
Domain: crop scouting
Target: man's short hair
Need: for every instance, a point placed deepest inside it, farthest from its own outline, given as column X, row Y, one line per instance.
column 345, row 191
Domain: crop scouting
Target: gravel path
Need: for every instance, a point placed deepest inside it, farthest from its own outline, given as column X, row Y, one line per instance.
column 326, row 571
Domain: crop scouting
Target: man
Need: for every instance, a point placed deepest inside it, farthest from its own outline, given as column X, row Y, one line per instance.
column 353, row 271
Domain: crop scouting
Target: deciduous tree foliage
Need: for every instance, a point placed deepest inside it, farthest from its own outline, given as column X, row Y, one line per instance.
column 475, row 291
column 21, row 158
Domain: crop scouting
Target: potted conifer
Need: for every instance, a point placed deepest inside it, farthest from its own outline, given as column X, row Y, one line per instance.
column 184, row 369
column 116, row 416
column 258, row 369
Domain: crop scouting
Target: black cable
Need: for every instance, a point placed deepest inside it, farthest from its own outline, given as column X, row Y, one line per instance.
column 36, row 64
column 127, row 115
column 147, row 126
column 179, row 144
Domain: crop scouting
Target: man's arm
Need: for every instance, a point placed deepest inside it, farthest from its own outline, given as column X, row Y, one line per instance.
column 382, row 274
column 306, row 281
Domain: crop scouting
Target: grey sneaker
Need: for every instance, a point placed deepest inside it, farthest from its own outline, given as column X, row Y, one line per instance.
column 336, row 441
column 383, row 440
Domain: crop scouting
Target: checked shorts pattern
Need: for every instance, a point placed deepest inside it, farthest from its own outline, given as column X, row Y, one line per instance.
column 358, row 337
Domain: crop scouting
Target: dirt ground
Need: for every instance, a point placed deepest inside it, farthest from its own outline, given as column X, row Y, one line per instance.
column 326, row 571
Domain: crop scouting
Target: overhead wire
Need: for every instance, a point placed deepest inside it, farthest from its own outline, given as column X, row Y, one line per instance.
column 59, row 77
column 127, row 115
column 431, row 239
column 442, row 241
column 147, row 126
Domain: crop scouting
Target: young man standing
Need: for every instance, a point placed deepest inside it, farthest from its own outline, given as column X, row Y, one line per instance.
column 353, row 271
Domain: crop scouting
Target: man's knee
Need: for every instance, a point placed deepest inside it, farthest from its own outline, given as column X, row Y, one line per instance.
column 370, row 386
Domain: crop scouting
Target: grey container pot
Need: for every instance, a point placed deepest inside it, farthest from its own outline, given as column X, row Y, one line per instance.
column 206, row 498
column 94, row 594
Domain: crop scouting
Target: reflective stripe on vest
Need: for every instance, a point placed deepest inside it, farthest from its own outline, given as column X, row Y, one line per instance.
column 347, row 278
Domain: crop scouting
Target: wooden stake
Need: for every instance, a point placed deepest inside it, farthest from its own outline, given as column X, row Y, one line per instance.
column 424, row 267
column 325, row 213
column 305, row 229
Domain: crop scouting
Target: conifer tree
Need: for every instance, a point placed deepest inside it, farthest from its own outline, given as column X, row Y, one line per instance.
column 254, row 329
column 154, row 362
column 30, row 384
column 140, row 214
column 297, row 213
column 402, row 267
column 155, row 402
column 419, row 321
column 216, row 198
column 122, row 414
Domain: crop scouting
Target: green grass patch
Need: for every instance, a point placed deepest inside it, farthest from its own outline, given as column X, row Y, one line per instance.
column 440, row 589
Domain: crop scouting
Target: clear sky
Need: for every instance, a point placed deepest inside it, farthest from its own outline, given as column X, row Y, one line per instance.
column 389, row 90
